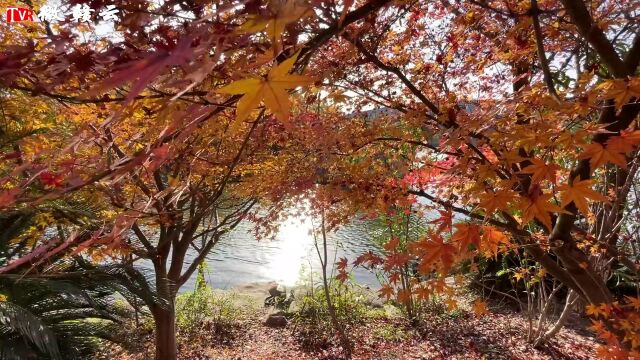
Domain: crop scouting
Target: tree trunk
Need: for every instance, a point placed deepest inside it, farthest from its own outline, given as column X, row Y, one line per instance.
column 165, row 319
column 572, row 297
column 590, row 285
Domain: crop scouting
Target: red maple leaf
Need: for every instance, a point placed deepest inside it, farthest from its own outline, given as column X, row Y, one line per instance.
column 386, row 291
column 50, row 179
column 445, row 221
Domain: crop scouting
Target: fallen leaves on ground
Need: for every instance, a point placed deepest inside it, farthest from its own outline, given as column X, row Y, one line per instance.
column 499, row 334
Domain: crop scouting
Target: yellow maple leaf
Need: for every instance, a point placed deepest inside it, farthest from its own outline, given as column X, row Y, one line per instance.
column 538, row 206
column 276, row 23
column 578, row 192
column 520, row 274
column 272, row 90
column 599, row 155
column 541, row 171
column 541, row 273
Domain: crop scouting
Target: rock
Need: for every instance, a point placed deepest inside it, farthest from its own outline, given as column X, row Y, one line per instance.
column 275, row 320
column 275, row 291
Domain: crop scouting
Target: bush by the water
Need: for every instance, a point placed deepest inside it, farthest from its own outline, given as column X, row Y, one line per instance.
column 312, row 322
column 203, row 306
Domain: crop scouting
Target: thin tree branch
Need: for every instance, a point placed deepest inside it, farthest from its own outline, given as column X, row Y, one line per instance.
column 542, row 57
column 578, row 12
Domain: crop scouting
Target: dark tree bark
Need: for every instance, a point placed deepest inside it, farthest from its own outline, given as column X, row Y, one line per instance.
column 165, row 319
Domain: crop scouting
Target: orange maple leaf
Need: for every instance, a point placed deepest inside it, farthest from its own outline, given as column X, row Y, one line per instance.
column 451, row 303
column 597, row 326
column 392, row 244
column 479, row 308
column 466, row 234
column 492, row 238
column 395, row 260
column 404, row 295
column 621, row 90
column 599, row 155
column 342, row 276
column 541, row 171
column 596, row 311
column 444, row 221
column 394, row 277
column 578, row 192
column 609, row 352
column 368, row 259
column 625, row 142
column 537, row 206
column 386, row 291
column 633, row 301
column 8, row 197
column 422, row 292
column 435, row 254
column 496, row 201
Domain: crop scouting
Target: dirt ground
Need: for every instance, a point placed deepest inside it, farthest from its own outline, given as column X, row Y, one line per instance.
column 500, row 334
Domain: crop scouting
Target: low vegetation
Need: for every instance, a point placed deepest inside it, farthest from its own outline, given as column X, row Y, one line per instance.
column 375, row 329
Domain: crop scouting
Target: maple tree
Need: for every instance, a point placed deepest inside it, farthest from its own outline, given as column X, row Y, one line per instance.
column 175, row 168
column 503, row 129
column 519, row 116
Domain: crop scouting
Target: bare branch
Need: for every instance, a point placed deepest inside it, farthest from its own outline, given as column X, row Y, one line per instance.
column 542, row 57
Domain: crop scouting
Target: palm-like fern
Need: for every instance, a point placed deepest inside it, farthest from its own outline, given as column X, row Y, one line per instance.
column 67, row 312
column 68, row 307
column 44, row 318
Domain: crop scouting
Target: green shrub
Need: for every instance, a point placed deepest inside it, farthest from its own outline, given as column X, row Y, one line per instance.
column 193, row 308
column 312, row 322
column 205, row 307
column 349, row 304
column 389, row 332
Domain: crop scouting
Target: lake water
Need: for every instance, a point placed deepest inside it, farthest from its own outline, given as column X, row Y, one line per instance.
column 240, row 258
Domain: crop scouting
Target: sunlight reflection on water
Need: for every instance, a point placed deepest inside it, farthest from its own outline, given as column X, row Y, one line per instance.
column 240, row 258
column 294, row 239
